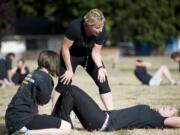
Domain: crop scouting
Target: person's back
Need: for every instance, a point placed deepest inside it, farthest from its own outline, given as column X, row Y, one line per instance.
column 23, row 108
column 142, row 75
column 141, row 71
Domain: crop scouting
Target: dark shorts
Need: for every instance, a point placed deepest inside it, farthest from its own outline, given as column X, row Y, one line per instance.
column 91, row 69
column 44, row 122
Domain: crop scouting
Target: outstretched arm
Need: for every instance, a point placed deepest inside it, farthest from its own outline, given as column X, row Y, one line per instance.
column 173, row 122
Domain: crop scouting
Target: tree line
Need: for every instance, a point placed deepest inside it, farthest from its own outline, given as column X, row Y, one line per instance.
column 144, row 21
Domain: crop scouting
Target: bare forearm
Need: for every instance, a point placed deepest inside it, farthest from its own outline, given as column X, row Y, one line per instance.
column 10, row 74
column 97, row 59
column 66, row 57
column 172, row 122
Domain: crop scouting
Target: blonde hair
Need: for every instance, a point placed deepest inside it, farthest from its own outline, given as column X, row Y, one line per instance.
column 94, row 17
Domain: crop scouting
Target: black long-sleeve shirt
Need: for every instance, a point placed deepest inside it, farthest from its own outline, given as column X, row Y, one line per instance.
column 35, row 90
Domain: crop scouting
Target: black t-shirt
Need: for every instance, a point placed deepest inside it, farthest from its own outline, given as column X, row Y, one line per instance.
column 18, row 77
column 179, row 66
column 5, row 65
column 35, row 89
column 139, row 116
column 82, row 44
column 142, row 74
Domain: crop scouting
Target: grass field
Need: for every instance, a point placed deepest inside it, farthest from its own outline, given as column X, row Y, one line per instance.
column 126, row 90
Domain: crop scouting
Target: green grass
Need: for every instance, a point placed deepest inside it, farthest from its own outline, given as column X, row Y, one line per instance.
column 126, row 90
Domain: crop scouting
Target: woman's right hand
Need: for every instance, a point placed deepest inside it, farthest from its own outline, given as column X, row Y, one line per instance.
column 67, row 77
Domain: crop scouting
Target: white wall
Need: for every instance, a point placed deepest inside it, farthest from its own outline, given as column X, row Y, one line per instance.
column 18, row 46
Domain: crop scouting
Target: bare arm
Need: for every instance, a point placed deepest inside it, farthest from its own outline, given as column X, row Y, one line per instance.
column 96, row 56
column 173, row 122
column 10, row 75
column 13, row 71
column 67, row 76
column 65, row 52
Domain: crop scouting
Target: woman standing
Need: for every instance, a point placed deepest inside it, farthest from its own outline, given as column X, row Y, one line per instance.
column 82, row 45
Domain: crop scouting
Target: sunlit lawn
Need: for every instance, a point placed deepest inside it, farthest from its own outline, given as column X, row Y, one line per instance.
column 126, row 90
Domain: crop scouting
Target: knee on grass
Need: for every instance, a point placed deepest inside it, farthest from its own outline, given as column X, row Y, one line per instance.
column 163, row 67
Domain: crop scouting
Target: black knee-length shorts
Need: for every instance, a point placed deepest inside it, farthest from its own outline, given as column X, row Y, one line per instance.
column 91, row 69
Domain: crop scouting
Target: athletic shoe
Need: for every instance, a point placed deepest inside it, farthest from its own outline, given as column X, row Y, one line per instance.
column 176, row 82
column 7, row 83
column 22, row 131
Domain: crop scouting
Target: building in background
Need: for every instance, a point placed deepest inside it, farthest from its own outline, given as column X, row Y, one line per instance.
column 33, row 34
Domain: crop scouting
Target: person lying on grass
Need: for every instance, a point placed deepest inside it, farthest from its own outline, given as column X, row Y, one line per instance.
column 141, row 72
column 93, row 118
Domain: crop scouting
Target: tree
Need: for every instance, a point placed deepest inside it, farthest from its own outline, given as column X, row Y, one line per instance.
column 7, row 18
column 147, row 21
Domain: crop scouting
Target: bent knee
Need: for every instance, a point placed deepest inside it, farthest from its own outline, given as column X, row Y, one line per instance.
column 65, row 127
column 163, row 67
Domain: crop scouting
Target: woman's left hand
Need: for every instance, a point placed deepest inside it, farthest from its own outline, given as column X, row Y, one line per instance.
column 102, row 74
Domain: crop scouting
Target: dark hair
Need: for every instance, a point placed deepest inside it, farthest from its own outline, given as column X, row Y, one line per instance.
column 49, row 60
column 139, row 60
column 11, row 54
column 175, row 55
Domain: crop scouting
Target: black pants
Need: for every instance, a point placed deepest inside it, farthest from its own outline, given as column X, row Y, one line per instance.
column 88, row 112
column 43, row 122
column 91, row 69
column 18, row 78
column 139, row 116
column 92, row 117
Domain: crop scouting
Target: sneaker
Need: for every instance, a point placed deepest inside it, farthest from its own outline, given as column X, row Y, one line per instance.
column 177, row 82
column 7, row 83
column 23, row 131
column 173, row 82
